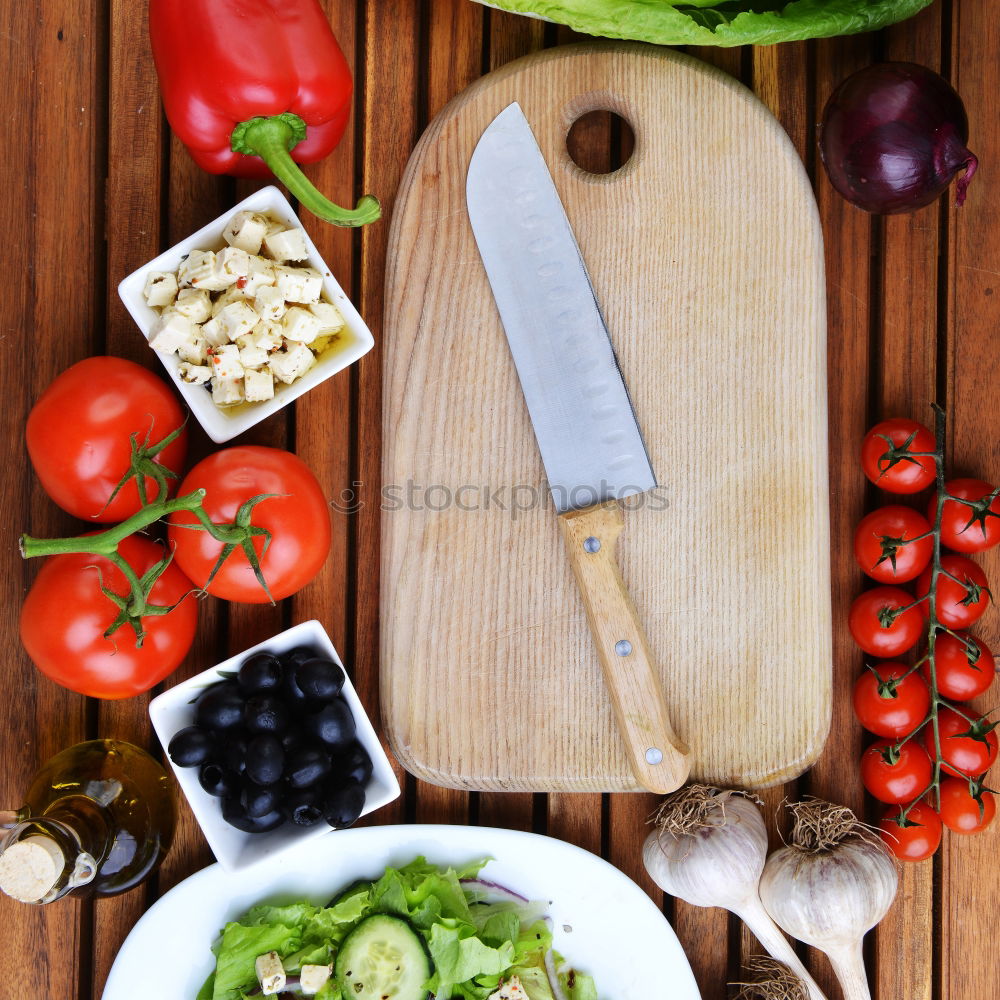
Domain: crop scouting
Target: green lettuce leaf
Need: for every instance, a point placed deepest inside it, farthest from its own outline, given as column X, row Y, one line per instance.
column 718, row 22
column 238, row 951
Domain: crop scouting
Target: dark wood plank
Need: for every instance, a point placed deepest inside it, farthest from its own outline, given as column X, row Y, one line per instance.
column 390, row 129
column 54, row 106
column 968, row 864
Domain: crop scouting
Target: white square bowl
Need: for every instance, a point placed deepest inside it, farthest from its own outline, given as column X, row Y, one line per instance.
column 223, row 423
column 234, row 849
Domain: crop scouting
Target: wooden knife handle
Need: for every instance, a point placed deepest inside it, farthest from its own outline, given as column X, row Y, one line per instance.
column 657, row 757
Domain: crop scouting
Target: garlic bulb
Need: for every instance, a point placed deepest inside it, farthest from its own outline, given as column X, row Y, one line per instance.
column 830, row 887
column 708, row 849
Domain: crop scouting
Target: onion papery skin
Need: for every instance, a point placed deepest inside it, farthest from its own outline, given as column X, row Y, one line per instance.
column 830, row 897
column 893, row 138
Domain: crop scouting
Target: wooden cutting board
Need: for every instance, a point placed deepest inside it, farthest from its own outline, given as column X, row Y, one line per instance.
column 706, row 254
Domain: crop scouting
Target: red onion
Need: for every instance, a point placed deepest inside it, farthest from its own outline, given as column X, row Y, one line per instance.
column 499, row 892
column 893, row 138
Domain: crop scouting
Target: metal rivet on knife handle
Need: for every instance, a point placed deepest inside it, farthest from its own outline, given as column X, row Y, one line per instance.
column 656, row 756
column 592, row 544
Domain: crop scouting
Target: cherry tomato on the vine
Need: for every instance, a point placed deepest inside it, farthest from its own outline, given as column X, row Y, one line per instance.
column 918, row 839
column 959, row 605
column 890, row 701
column 296, row 515
column 901, row 781
column 967, row 748
column 889, row 467
column 963, row 812
column 65, row 615
column 884, row 546
column 963, row 528
column 78, row 435
column 885, row 640
column 963, row 666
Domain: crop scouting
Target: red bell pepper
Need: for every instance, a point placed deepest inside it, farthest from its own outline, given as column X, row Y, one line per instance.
column 252, row 86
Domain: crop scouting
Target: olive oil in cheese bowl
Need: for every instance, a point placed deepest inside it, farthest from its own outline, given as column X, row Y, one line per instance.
column 245, row 315
column 217, row 768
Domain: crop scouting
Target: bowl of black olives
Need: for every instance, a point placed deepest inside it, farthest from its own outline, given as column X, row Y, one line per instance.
column 273, row 747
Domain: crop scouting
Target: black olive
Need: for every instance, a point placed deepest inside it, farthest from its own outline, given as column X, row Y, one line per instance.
column 260, row 674
column 257, row 800
column 219, row 708
column 217, row 780
column 234, row 753
column 307, row 766
column 332, row 725
column 302, row 807
column 235, row 815
column 190, row 746
column 291, row 740
column 265, row 714
column 319, row 679
column 353, row 764
column 265, row 759
column 342, row 806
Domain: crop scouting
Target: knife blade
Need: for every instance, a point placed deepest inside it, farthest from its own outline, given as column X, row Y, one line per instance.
column 587, row 432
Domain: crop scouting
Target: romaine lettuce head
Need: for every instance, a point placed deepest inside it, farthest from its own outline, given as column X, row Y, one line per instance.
column 718, row 22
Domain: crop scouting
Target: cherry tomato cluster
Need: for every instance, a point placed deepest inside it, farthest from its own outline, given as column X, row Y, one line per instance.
column 930, row 762
column 111, row 615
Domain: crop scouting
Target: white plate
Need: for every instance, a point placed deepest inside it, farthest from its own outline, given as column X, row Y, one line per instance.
column 603, row 922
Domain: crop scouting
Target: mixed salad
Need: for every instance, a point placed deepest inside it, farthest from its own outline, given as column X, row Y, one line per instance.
column 416, row 931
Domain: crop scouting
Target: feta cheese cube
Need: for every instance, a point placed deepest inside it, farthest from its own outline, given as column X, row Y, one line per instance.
column 300, row 325
column 226, row 363
column 261, row 275
column 231, row 264
column 195, row 303
column 194, row 350
column 267, row 335
column 269, row 302
column 258, row 386
column 170, row 330
column 510, row 990
column 251, row 355
column 214, row 333
column 288, row 244
column 292, row 363
column 197, row 374
column 230, row 295
column 245, row 230
column 270, row 973
column 227, row 391
column 198, row 270
column 160, row 289
column 312, row 978
column 236, row 319
column 329, row 316
column 298, row 284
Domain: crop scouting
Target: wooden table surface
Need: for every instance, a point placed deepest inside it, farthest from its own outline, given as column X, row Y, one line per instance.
column 97, row 186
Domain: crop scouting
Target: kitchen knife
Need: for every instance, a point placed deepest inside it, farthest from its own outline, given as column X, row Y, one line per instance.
column 590, row 442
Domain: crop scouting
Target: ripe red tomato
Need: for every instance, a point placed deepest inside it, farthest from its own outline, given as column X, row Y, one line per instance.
column 902, row 781
column 900, row 709
column 963, row 754
column 78, row 435
column 898, row 473
column 884, row 548
column 958, row 677
column 956, row 530
column 884, row 640
column 961, row 811
column 297, row 517
column 919, row 835
column 959, row 605
column 65, row 614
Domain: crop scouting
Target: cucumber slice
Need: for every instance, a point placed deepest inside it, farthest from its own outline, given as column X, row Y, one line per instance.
column 383, row 958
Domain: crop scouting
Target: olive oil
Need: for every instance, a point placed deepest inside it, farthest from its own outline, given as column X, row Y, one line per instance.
column 97, row 819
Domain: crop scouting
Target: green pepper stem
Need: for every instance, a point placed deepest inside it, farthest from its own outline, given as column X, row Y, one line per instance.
column 271, row 139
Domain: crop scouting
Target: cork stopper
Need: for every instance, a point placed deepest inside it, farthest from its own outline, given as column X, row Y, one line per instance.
column 30, row 868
